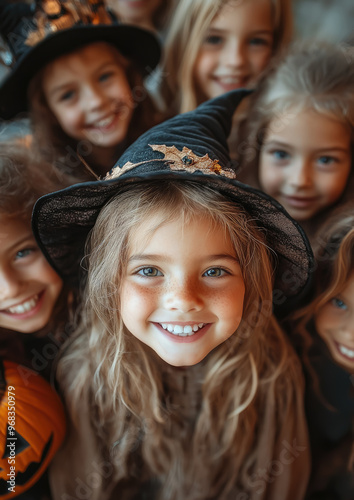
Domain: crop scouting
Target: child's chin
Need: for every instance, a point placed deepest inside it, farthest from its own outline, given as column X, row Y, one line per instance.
column 184, row 361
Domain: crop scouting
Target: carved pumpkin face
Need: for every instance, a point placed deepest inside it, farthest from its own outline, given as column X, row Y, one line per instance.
column 32, row 427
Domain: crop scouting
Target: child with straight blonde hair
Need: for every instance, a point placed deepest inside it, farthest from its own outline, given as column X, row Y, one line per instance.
column 213, row 47
column 326, row 330
column 298, row 139
column 179, row 381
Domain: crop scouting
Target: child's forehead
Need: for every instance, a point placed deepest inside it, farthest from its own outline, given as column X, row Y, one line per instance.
column 142, row 233
column 289, row 115
column 13, row 228
column 284, row 104
column 89, row 53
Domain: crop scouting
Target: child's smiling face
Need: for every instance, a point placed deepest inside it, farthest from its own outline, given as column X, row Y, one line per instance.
column 183, row 291
column 305, row 162
column 237, row 47
column 335, row 324
column 29, row 287
column 89, row 94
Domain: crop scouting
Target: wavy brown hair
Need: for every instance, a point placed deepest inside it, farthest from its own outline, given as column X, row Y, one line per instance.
column 334, row 264
column 25, row 177
column 335, row 268
column 129, row 402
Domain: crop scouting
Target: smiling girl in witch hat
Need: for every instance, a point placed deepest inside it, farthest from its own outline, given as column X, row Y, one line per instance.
column 179, row 381
column 80, row 75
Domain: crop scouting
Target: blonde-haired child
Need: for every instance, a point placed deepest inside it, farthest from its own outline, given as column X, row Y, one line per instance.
column 80, row 75
column 327, row 329
column 213, row 47
column 298, row 140
column 179, row 381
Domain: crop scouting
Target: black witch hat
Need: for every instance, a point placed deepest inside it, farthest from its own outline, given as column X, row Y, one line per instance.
column 35, row 34
column 189, row 146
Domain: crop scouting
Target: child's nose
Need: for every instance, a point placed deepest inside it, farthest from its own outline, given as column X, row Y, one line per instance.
column 234, row 54
column 93, row 97
column 183, row 296
column 301, row 174
column 9, row 284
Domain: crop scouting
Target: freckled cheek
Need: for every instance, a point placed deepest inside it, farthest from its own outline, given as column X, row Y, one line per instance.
column 228, row 304
column 138, row 300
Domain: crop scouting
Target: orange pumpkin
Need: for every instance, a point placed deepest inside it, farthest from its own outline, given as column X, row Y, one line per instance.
column 32, row 427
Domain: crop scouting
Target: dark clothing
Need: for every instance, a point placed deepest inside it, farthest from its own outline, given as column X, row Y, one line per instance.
column 330, row 417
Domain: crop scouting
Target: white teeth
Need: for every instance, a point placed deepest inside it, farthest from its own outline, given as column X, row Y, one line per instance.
column 182, row 331
column 347, row 352
column 231, row 80
column 24, row 307
column 105, row 122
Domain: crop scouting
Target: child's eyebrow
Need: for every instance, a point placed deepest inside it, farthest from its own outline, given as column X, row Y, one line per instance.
column 254, row 32
column 67, row 84
column 26, row 238
column 165, row 258
column 278, row 143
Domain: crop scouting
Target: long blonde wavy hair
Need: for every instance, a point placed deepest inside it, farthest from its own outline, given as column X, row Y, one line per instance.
column 126, row 388
column 189, row 24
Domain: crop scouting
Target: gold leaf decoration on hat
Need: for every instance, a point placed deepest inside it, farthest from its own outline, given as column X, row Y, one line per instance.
column 179, row 160
column 190, row 162
column 58, row 15
column 118, row 171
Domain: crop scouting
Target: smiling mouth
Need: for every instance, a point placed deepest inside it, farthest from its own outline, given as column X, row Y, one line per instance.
column 231, row 81
column 345, row 351
column 182, row 330
column 105, row 122
column 298, row 201
column 24, row 307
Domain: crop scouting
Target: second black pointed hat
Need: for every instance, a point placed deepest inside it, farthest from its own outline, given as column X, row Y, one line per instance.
column 36, row 34
column 190, row 146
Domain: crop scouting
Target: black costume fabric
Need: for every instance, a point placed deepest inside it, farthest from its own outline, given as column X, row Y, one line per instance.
column 330, row 416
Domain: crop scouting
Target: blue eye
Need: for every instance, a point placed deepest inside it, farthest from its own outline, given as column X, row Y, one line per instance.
column 258, row 41
column 326, row 160
column 150, row 272
column 67, row 95
column 215, row 272
column 105, row 76
column 338, row 303
column 280, row 154
column 213, row 40
column 25, row 252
